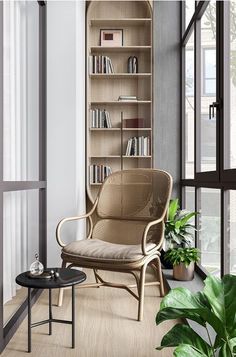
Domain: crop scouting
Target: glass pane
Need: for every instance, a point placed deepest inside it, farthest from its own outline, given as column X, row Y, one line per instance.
column 20, row 243
column 208, row 89
column 189, row 205
column 189, row 109
column 209, row 230
column 21, row 90
column 230, row 84
column 232, row 232
column 189, row 10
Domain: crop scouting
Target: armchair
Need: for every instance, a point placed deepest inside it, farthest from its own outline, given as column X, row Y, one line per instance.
column 128, row 233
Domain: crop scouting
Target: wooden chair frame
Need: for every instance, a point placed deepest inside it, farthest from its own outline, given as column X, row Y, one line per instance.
column 150, row 257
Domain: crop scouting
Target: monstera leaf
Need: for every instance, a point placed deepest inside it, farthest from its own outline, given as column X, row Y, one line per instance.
column 216, row 305
column 184, row 335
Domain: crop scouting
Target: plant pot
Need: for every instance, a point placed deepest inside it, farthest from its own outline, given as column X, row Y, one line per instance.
column 181, row 272
column 166, row 264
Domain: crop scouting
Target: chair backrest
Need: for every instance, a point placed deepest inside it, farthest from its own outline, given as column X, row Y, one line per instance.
column 138, row 194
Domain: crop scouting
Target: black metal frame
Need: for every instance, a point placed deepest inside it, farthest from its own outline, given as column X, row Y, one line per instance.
column 221, row 178
column 50, row 320
column 7, row 331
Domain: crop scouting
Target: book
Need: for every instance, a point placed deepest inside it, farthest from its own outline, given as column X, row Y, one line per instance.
column 100, row 64
column 98, row 173
column 127, row 98
column 100, row 118
column 138, row 146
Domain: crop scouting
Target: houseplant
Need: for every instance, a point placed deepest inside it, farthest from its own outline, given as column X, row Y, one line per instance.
column 214, row 306
column 178, row 230
column 183, row 260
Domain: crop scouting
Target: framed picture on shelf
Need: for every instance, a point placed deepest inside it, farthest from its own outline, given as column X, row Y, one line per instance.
column 111, row 37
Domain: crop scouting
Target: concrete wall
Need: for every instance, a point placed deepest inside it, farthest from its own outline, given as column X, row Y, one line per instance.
column 167, row 88
column 65, row 115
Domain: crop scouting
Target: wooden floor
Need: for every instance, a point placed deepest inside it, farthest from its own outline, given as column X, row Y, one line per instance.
column 106, row 325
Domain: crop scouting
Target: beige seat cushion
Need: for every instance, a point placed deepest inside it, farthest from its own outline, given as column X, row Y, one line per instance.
column 95, row 249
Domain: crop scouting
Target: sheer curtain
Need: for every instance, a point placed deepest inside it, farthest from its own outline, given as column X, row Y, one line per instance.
column 20, row 136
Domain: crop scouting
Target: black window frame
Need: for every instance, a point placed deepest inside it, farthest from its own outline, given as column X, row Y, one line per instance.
column 7, row 331
column 221, row 178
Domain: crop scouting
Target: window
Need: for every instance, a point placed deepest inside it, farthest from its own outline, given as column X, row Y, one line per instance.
column 209, row 158
column 209, row 71
column 189, row 109
column 23, row 156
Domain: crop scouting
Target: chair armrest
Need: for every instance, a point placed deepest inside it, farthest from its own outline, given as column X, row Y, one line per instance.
column 68, row 219
column 144, row 238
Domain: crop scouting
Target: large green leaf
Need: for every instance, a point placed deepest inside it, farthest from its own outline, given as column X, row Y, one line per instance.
column 188, row 351
column 170, row 313
column 189, row 305
column 221, row 294
column 186, row 218
column 173, row 207
column 183, row 334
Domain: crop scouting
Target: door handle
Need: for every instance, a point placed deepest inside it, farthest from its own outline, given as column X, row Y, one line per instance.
column 212, row 107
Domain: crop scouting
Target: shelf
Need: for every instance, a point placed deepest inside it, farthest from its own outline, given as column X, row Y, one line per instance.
column 105, row 129
column 105, row 156
column 119, row 75
column 119, row 48
column 137, row 129
column 119, row 129
column 118, row 157
column 136, row 157
column 120, row 102
column 120, row 22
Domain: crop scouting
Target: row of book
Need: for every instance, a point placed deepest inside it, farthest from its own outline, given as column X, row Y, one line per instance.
column 98, row 173
column 100, row 64
column 138, row 146
column 100, row 118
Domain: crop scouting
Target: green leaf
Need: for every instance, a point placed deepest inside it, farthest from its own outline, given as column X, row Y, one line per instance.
column 170, row 313
column 183, row 334
column 188, row 216
column 187, row 351
column 173, row 207
column 192, row 306
column 221, row 295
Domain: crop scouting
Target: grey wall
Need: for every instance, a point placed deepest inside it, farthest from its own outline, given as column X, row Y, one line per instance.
column 66, row 119
column 167, row 88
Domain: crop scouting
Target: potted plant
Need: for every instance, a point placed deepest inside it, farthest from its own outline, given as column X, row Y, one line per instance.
column 178, row 230
column 183, row 261
column 214, row 306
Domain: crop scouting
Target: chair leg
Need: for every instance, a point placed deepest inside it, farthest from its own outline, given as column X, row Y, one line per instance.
column 61, row 291
column 141, row 293
column 96, row 278
column 160, row 276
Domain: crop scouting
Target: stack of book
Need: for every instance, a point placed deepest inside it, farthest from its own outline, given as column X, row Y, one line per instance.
column 127, row 98
column 138, row 146
column 98, row 173
column 100, row 118
column 100, row 64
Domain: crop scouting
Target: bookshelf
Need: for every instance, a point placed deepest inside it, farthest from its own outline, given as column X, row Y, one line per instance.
column 107, row 146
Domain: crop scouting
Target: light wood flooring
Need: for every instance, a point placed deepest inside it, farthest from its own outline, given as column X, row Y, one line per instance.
column 106, row 325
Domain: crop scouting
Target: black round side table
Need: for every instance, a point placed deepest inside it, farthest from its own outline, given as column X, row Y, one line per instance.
column 67, row 277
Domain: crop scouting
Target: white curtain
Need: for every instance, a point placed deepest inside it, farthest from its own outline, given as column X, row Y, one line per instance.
column 20, row 137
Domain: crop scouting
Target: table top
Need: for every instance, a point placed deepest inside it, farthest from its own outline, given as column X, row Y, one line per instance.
column 67, row 277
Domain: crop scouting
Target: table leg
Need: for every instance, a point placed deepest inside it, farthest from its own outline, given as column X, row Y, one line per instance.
column 73, row 316
column 29, row 319
column 50, row 311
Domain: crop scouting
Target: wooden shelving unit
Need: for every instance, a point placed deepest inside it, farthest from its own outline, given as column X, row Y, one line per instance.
column 107, row 146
